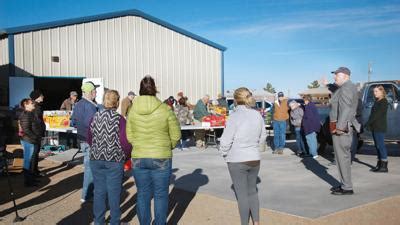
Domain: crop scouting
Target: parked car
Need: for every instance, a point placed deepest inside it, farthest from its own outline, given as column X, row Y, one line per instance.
column 262, row 106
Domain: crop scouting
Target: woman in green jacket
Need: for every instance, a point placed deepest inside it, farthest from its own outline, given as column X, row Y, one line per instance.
column 377, row 124
column 153, row 131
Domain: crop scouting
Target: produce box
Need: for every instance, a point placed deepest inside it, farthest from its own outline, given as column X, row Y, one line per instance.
column 57, row 119
column 214, row 120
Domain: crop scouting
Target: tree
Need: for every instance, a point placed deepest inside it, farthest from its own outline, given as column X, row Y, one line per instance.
column 314, row 84
column 269, row 88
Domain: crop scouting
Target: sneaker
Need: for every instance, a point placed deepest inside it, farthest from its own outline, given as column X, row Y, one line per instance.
column 301, row 154
column 83, row 200
column 342, row 192
column 315, row 157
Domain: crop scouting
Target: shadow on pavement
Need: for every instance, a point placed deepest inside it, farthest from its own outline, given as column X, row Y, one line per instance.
column 66, row 186
column 320, row 170
column 84, row 215
column 130, row 204
column 363, row 163
column 17, row 182
column 185, row 189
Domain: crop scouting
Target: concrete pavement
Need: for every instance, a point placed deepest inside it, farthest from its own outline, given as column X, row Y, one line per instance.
column 292, row 190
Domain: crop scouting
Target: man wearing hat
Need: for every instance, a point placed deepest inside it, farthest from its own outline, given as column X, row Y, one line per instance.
column 127, row 103
column 38, row 97
column 81, row 117
column 342, row 125
column 281, row 114
column 69, row 103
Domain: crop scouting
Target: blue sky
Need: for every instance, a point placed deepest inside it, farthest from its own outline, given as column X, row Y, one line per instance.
column 286, row 43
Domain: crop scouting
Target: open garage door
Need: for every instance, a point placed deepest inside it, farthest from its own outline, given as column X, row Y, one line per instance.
column 55, row 89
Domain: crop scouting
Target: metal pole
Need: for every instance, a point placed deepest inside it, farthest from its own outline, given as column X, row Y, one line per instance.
column 12, row 195
column 369, row 71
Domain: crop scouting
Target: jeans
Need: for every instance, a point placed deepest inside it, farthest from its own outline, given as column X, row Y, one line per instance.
column 300, row 140
column 279, row 134
column 28, row 155
column 152, row 179
column 312, row 143
column 379, row 140
column 107, row 179
column 87, row 189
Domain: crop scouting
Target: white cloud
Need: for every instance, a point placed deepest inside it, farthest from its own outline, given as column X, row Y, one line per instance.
column 365, row 20
column 317, row 50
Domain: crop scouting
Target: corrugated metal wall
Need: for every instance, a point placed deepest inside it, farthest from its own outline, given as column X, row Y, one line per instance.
column 122, row 50
column 4, row 51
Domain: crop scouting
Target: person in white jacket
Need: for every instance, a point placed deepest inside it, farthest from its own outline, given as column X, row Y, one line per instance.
column 240, row 145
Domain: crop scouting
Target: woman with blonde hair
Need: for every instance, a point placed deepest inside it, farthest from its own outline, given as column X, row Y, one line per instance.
column 109, row 148
column 377, row 124
column 240, row 146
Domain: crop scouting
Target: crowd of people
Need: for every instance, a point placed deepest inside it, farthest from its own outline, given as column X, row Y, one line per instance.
column 148, row 129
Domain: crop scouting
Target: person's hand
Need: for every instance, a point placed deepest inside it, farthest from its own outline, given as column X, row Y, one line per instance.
column 338, row 132
column 324, row 81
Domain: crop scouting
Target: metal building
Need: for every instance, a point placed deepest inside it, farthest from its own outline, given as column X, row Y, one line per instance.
column 119, row 47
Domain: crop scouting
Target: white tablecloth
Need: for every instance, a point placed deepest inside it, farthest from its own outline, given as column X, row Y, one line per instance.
column 62, row 130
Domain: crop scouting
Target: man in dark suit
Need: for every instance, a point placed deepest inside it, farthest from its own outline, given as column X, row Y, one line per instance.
column 342, row 125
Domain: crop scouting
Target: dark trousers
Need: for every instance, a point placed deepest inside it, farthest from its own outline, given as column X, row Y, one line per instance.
column 200, row 134
column 35, row 159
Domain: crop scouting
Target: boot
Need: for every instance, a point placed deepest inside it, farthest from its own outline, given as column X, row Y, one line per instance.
column 377, row 167
column 383, row 168
column 29, row 180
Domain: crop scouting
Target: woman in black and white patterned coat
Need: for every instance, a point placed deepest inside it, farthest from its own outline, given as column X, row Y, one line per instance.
column 109, row 149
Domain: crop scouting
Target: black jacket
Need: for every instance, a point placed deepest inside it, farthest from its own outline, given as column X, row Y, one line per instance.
column 378, row 119
column 38, row 112
column 31, row 128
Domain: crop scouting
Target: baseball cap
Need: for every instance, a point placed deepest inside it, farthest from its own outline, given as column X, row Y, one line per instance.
column 73, row 93
column 89, row 86
column 344, row 70
column 131, row 93
column 280, row 94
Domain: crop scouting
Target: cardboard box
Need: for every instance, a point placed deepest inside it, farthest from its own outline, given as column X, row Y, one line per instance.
column 18, row 154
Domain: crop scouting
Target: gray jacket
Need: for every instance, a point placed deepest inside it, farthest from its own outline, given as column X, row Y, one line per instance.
column 344, row 107
column 243, row 136
column 296, row 116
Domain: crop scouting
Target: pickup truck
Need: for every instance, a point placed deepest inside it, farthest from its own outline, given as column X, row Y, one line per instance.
column 366, row 100
column 392, row 89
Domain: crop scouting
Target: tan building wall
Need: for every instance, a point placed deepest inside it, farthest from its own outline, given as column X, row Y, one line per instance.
column 122, row 50
column 4, row 51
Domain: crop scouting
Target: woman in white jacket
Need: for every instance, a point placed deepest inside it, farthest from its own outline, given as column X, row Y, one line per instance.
column 241, row 141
